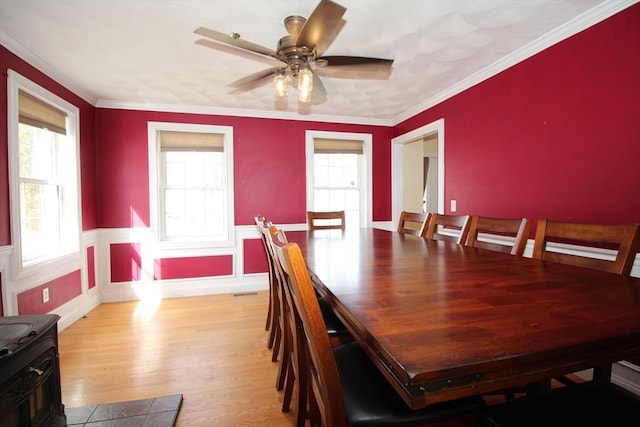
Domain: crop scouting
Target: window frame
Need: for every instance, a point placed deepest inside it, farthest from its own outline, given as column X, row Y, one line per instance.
column 367, row 175
column 156, row 167
column 71, row 198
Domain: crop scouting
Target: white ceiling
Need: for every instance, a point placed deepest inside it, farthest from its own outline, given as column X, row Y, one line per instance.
column 141, row 53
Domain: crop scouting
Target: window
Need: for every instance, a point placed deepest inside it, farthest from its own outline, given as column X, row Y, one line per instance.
column 339, row 175
column 192, row 177
column 43, row 174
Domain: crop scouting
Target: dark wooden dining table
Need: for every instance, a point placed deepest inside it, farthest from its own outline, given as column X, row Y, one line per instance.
column 443, row 321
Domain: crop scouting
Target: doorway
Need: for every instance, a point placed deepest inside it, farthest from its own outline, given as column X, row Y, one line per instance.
column 409, row 153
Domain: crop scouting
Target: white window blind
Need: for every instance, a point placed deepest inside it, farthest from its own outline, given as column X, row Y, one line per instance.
column 190, row 141
column 337, row 146
column 34, row 112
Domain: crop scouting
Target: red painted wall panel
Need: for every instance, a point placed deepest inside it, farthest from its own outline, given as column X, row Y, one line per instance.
column 61, row 290
column 269, row 166
column 255, row 256
column 556, row 136
column 125, row 262
column 188, row 267
column 91, row 266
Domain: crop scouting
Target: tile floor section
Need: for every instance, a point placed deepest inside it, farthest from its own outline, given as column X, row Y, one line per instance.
column 153, row 412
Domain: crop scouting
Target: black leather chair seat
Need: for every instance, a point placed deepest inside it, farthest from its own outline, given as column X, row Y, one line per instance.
column 371, row 401
column 592, row 403
column 335, row 327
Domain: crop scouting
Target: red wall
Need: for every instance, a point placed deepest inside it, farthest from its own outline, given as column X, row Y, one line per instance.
column 189, row 267
column 269, row 166
column 91, row 267
column 555, row 136
column 126, row 262
column 61, row 290
column 255, row 256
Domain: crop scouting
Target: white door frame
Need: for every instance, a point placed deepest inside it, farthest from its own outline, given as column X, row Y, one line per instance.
column 397, row 165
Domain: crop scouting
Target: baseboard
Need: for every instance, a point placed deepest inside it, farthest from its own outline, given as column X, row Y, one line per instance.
column 133, row 291
column 77, row 308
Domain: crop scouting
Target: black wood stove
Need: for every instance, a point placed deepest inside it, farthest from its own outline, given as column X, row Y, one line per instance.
column 30, row 393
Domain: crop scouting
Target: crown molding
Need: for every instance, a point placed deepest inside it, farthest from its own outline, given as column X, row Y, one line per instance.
column 588, row 19
column 260, row 114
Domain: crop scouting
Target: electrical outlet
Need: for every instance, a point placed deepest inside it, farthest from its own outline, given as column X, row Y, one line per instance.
column 45, row 295
column 453, row 206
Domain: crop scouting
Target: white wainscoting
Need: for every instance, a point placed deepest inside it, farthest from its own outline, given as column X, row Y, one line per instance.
column 13, row 284
column 236, row 282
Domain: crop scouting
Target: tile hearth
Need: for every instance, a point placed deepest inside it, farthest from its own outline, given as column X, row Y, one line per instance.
column 152, row 412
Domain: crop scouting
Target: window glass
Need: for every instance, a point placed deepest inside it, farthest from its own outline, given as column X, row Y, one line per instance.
column 339, row 174
column 336, row 181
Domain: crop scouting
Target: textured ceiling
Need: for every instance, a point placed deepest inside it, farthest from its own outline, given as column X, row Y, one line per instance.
column 142, row 54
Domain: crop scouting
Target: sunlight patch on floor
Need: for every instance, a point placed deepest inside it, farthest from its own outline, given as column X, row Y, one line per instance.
column 149, row 296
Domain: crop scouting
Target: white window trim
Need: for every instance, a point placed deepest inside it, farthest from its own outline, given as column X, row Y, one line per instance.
column 15, row 83
column 154, row 200
column 367, row 138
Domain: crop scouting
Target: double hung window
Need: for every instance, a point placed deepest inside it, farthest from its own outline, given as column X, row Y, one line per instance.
column 192, row 174
column 338, row 175
column 43, row 165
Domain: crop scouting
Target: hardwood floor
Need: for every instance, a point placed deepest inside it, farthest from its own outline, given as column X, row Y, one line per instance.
column 212, row 349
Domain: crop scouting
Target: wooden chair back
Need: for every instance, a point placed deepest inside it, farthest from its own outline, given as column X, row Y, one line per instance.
column 326, row 220
column 624, row 238
column 273, row 311
column 326, row 401
column 511, row 234
column 292, row 357
column 412, row 223
column 440, row 222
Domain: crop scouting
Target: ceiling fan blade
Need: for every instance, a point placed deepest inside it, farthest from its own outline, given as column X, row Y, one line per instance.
column 254, row 80
column 323, row 23
column 371, row 64
column 239, row 43
column 235, row 51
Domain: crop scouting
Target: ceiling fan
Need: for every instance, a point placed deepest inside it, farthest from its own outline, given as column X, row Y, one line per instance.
column 298, row 57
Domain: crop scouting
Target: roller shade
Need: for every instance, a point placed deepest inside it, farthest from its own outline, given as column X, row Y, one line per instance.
column 190, row 141
column 33, row 112
column 336, row 146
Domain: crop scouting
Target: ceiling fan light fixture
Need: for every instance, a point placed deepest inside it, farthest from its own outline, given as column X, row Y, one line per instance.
column 300, row 53
column 280, row 84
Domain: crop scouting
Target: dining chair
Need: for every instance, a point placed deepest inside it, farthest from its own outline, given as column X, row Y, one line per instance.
column 592, row 403
column 452, row 223
column 344, row 387
column 273, row 311
column 508, row 235
column 290, row 365
column 413, row 222
column 326, row 220
column 622, row 238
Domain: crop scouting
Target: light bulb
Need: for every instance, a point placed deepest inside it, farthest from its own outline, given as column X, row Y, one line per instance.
column 305, row 80
column 304, row 95
column 280, row 84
